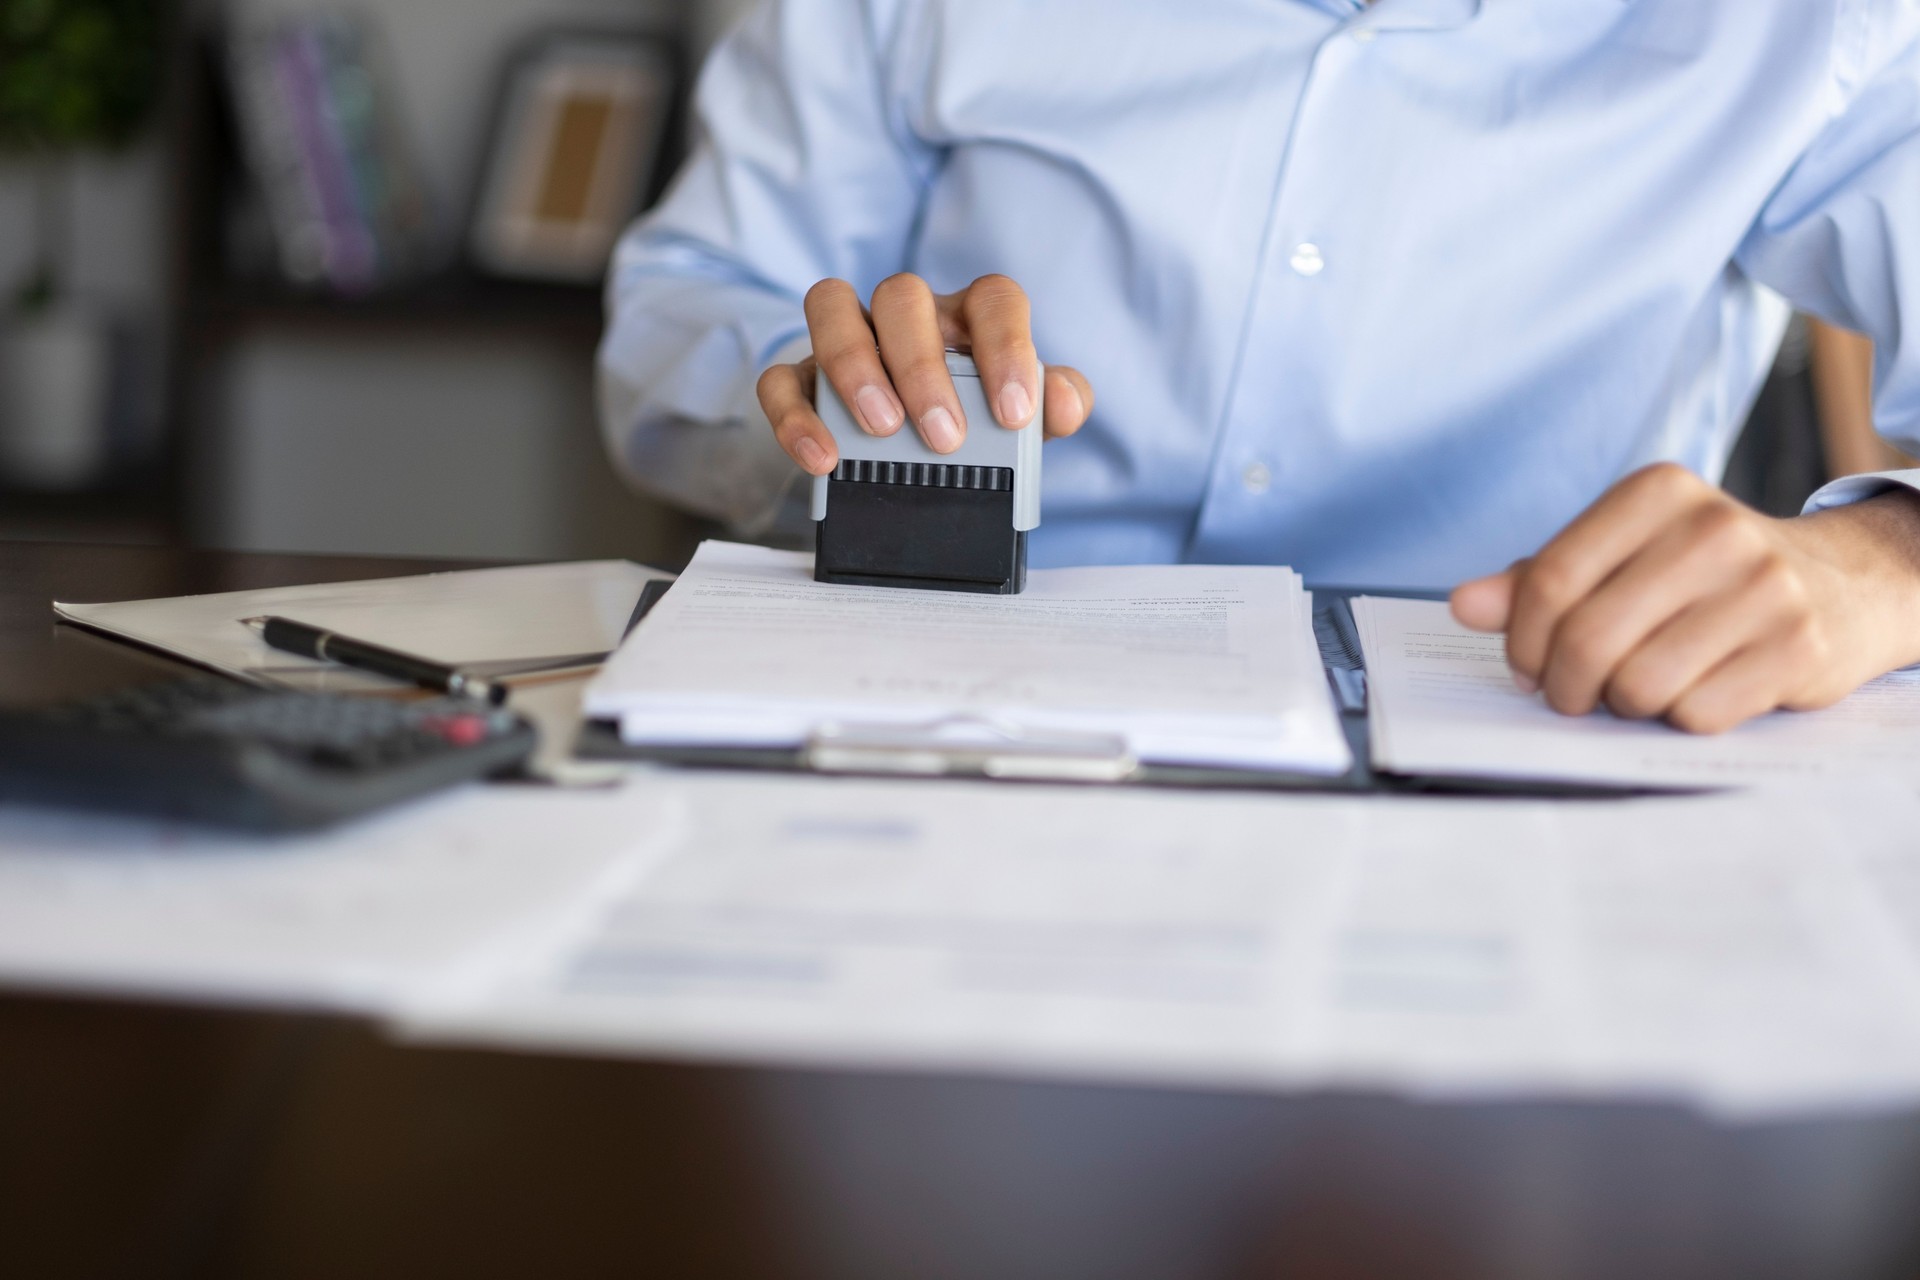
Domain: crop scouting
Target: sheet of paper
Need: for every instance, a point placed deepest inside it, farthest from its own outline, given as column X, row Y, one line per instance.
column 362, row 917
column 1119, row 932
column 474, row 616
column 1442, row 702
column 1190, row 664
column 1741, row 951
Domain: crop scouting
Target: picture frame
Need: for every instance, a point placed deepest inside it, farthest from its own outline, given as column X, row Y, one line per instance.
column 578, row 148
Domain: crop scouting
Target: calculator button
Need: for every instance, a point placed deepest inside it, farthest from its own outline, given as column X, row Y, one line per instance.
column 464, row 731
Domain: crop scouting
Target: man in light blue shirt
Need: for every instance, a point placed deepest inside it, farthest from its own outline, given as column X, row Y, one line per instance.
column 1392, row 294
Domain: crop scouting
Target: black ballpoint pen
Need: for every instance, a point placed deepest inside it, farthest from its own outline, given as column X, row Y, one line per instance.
column 307, row 641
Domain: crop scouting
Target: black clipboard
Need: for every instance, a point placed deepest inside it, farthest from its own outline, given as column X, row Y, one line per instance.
column 853, row 751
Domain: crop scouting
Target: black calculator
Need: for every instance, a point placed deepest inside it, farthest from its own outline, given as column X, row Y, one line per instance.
column 211, row 750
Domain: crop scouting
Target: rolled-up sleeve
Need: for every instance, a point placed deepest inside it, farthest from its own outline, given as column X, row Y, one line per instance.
column 800, row 171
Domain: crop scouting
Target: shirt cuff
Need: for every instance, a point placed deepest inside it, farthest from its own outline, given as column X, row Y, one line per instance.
column 1851, row 489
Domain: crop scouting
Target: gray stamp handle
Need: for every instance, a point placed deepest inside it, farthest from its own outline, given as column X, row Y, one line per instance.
column 988, row 444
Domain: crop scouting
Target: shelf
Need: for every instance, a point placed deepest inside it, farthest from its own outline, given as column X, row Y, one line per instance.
column 448, row 300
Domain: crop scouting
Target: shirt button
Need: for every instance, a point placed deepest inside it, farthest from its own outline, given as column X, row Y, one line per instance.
column 1307, row 260
column 1257, row 478
column 1365, row 35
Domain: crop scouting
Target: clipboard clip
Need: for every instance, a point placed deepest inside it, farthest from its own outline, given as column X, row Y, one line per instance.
column 969, row 745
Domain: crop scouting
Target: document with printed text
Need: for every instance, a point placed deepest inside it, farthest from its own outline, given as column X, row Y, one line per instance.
column 1441, row 701
column 1188, row 664
column 1756, row 952
column 360, row 917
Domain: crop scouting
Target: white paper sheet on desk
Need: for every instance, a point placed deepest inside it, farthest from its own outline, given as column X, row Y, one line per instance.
column 470, row 616
column 354, row 918
column 1190, row 664
column 1747, row 952
column 1442, row 702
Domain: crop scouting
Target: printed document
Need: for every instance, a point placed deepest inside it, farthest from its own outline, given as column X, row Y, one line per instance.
column 1756, row 952
column 363, row 917
column 1187, row 664
column 1442, row 702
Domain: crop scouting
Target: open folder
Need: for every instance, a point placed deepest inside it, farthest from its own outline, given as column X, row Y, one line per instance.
column 1090, row 673
column 494, row 622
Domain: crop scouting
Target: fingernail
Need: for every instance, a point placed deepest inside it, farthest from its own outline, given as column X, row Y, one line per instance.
column 878, row 412
column 1525, row 683
column 1016, row 406
column 812, row 456
column 941, row 431
column 1076, row 410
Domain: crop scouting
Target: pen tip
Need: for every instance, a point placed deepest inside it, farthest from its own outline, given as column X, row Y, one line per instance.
column 258, row 624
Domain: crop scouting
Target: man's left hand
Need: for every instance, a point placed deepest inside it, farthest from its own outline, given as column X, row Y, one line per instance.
column 1667, row 598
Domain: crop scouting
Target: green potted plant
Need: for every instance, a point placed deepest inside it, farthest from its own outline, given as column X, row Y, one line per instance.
column 75, row 76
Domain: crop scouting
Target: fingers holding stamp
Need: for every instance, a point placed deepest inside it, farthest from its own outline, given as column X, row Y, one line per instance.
column 849, row 356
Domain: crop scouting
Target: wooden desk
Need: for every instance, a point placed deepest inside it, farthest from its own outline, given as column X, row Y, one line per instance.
column 145, row 1140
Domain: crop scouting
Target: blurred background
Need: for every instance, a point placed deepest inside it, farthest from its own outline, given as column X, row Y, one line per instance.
column 283, row 277
column 260, row 287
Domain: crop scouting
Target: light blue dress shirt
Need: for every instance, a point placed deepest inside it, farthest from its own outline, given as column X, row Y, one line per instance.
column 1387, row 293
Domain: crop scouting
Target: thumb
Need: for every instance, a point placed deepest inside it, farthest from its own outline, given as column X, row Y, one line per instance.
column 1486, row 604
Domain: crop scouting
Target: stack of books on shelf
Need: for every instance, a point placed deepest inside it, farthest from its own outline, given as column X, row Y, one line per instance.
column 343, row 195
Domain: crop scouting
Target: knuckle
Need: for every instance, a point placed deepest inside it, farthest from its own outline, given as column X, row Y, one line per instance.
column 779, row 386
column 920, row 386
column 1717, row 520
column 829, row 293
column 1775, row 576
column 1669, row 478
column 1584, row 647
column 1726, row 535
column 922, row 380
column 1693, row 715
column 792, row 424
column 901, row 289
column 843, row 354
column 1567, row 701
column 1548, row 584
column 1818, row 696
column 1634, row 696
column 1810, row 645
column 996, row 294
column 1778, row 588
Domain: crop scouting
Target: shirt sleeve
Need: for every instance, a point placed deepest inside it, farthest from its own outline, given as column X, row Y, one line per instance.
column 801, row 170
column 1851, row 489
column 1840, row 237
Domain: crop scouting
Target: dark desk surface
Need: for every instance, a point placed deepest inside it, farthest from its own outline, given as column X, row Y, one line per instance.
column 160, row 1141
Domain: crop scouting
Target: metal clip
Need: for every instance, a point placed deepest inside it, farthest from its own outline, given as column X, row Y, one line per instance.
column 973, row 746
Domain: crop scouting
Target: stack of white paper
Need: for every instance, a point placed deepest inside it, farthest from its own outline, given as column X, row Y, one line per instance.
column 365, row 917
column 1187, row 664
column 1756, row 952
column 1441, row 701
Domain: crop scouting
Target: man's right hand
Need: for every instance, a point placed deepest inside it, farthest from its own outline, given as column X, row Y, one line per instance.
column 889, row 364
